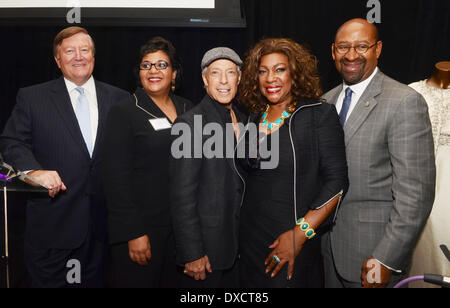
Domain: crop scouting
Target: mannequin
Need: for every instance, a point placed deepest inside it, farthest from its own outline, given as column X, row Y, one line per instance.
column 428, row 257
column 441, row 76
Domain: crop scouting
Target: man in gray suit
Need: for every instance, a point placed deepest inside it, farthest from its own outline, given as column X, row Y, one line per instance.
column 391, row 167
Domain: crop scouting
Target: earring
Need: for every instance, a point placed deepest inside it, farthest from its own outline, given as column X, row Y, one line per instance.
column 173, row 86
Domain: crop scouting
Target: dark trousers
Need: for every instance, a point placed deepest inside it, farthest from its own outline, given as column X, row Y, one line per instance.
column 161, row 271
column 224, row 279
column 83, row 267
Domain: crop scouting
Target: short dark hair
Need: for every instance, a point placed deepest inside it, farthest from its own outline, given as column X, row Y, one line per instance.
column 158, row 43
column 66, row 33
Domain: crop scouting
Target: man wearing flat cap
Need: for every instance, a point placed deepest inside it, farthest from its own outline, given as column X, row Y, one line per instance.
column 206, row 188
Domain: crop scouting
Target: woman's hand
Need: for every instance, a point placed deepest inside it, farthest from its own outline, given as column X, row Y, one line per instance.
column 140, row 250
column 283, row 248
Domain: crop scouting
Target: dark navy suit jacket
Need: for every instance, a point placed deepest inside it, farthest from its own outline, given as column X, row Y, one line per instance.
column 43, row 134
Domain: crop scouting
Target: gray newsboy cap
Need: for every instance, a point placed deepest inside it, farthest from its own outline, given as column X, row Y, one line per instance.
column 220, row 53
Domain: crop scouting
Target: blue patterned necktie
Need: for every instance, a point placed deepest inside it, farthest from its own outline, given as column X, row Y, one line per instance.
column 345, row 106
column 84, row 118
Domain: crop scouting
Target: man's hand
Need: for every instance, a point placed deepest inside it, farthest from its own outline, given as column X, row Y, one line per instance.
column 198, row 268
column 374, row 274
column 140, row 250
column 50, row 179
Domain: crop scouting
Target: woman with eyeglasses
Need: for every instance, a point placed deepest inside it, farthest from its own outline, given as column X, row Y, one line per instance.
column 137, row 149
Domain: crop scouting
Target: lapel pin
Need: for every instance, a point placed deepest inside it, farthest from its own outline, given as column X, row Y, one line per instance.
column 367, row 104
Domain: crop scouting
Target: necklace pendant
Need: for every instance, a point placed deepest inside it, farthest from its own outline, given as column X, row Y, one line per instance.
column 278, row 122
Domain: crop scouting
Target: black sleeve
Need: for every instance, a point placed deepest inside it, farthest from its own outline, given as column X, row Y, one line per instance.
column 184, row 181
column 16, row 142
column 123, row 214
column 333, row 161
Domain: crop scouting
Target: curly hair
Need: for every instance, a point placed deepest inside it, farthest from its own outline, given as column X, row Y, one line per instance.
column 302, row 66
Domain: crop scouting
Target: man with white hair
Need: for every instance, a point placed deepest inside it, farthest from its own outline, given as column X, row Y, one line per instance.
column 206, row 192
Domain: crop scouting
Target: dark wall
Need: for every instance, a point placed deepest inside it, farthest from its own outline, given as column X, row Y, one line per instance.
column 415, row 35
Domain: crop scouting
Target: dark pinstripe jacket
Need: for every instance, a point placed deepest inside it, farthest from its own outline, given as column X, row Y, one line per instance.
column 43, row 134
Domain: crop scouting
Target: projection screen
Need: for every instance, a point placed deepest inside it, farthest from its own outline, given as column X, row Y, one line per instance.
column 169, row 13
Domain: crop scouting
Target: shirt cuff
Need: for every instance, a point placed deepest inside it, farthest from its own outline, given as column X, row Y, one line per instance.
column 394, row 270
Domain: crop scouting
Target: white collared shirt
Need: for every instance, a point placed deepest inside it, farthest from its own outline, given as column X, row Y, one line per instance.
column 91, row 94
column 358, row 90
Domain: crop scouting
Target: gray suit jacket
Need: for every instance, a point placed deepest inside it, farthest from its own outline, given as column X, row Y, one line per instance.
column 392, row 174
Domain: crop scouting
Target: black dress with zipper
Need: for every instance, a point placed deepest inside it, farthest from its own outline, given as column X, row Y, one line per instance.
column 316, row 158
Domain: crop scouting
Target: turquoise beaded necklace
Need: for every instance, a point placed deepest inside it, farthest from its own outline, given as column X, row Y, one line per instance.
column 277, row 123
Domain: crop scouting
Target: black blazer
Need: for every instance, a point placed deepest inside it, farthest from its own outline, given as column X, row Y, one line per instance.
column 320, row 163
column 135, row 170
column 206, row 194
column 43, row 134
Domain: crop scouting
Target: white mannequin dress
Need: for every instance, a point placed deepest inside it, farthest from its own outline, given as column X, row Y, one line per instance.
column 428, row 257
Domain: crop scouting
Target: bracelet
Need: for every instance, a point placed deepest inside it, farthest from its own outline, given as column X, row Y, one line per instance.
column 305, row 227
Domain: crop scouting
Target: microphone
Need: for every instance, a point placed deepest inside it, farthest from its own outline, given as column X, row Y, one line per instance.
column 445, row 251
column 439, row 280
column 4, row 177
column 5, row 165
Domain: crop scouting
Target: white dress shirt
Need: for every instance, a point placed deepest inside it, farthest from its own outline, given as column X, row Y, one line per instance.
column 358, row 89
column 91, row 94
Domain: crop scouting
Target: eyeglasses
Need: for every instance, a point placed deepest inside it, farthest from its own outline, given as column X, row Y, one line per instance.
column 160, row 65
column 360, row 49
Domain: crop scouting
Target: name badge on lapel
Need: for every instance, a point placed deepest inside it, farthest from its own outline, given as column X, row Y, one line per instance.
column 160, row 124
